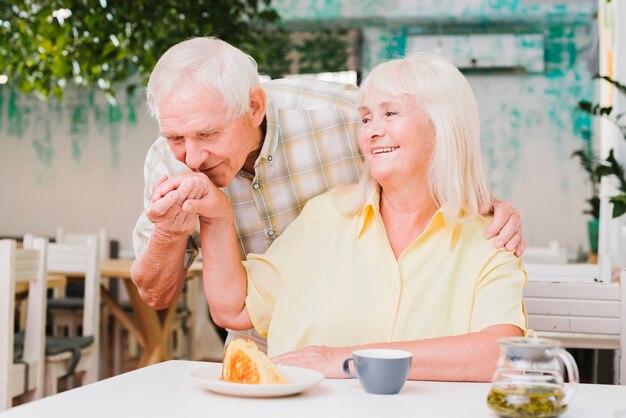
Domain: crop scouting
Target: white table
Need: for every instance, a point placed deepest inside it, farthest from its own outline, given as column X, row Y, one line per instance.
column 166, row 390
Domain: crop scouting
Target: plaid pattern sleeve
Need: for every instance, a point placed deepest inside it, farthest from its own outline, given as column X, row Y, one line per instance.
column 310, row 146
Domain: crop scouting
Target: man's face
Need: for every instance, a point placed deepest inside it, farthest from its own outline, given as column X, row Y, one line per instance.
column 202, row 135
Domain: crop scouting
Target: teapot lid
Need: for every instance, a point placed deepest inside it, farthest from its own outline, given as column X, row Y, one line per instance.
column 529, row 342
column 528, row 348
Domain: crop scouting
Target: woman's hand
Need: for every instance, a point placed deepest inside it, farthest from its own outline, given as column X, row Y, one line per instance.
column 327, row 360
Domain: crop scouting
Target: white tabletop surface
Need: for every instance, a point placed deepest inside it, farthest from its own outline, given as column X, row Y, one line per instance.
column 166, row 390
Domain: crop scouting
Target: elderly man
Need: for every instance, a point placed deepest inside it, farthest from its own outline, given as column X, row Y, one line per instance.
column 270, row 148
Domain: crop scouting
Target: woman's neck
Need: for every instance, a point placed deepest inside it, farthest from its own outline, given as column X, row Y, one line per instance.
column 406, row 211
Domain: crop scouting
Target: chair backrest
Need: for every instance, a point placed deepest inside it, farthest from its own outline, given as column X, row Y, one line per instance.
column 81, row 260
column 63, row 237
column 18, row 265
column 580, row 315
column 77, row 289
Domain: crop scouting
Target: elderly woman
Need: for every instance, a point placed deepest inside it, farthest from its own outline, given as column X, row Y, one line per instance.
column 397, row 261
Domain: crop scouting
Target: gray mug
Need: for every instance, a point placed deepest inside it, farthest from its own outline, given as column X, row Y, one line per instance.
column 380, row 371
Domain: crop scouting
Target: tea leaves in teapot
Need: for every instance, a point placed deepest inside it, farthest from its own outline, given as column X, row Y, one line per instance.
column 513, row 401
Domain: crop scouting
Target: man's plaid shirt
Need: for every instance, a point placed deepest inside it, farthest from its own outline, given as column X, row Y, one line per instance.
column 310, row 146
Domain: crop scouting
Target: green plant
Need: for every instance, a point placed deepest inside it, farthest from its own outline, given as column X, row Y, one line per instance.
column 590, row 163
column 314, row 59
column 46, row 45
column 606, row 111
column 609, row 167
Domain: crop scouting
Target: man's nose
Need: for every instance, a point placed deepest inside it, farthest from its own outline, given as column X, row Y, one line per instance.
column 195, row 155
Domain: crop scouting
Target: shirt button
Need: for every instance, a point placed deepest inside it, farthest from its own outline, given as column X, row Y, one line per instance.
column 271, row 233
column 256, row 186
column 270, row 158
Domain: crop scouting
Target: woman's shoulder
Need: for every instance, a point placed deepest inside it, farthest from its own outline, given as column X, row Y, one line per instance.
column 473, row 232
column 336, row 196
column 473, row 238
column 478, row 223
column 332, row 201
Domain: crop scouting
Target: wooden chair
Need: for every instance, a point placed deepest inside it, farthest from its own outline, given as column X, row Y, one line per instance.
column 22, row 357
column 66, row 355
column 64, row 237
column 581, row 315
column 66, row 305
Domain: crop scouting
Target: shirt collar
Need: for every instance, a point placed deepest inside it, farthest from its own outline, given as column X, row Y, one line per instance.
column 272, row 135
column 371, row 213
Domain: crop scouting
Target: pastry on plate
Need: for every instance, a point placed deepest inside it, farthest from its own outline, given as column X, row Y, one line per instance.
column 245, row 363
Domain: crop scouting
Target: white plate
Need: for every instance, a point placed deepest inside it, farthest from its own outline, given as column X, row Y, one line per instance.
column 300, row 379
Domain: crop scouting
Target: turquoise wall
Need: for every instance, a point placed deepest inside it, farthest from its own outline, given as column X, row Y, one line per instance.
column 429, row 11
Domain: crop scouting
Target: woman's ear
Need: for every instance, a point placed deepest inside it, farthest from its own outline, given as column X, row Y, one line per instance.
column 257, row 105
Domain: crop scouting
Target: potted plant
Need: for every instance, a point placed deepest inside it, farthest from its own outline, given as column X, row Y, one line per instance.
column 610, row 167
column 590, row 163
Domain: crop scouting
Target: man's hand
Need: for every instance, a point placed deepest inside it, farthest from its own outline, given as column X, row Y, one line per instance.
column 177, row 202
column 506, row 226
column 165, row 210
column 204, row 199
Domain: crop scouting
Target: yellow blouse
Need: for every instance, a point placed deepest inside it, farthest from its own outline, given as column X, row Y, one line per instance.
column 332, row 279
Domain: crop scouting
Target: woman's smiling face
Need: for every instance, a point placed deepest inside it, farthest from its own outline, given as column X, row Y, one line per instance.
column 396, row 137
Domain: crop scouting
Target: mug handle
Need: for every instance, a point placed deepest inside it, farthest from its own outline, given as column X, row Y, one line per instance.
column 572, row 373
column 346, row 367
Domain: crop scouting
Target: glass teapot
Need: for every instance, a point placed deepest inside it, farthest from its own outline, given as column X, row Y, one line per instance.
column 528, row 381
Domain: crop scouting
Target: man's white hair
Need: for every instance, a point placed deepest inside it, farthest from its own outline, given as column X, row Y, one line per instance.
column 204, row 63
column 457, row 179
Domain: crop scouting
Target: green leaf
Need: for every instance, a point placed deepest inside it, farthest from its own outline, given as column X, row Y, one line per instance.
column 604, row 170
column 615, row 83
column 619, row 205
column 617, row 170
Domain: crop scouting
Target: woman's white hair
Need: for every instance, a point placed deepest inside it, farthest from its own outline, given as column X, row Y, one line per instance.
column 204, row 62
column 457, row 179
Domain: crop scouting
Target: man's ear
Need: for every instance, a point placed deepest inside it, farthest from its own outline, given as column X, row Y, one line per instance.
column 257, row 105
